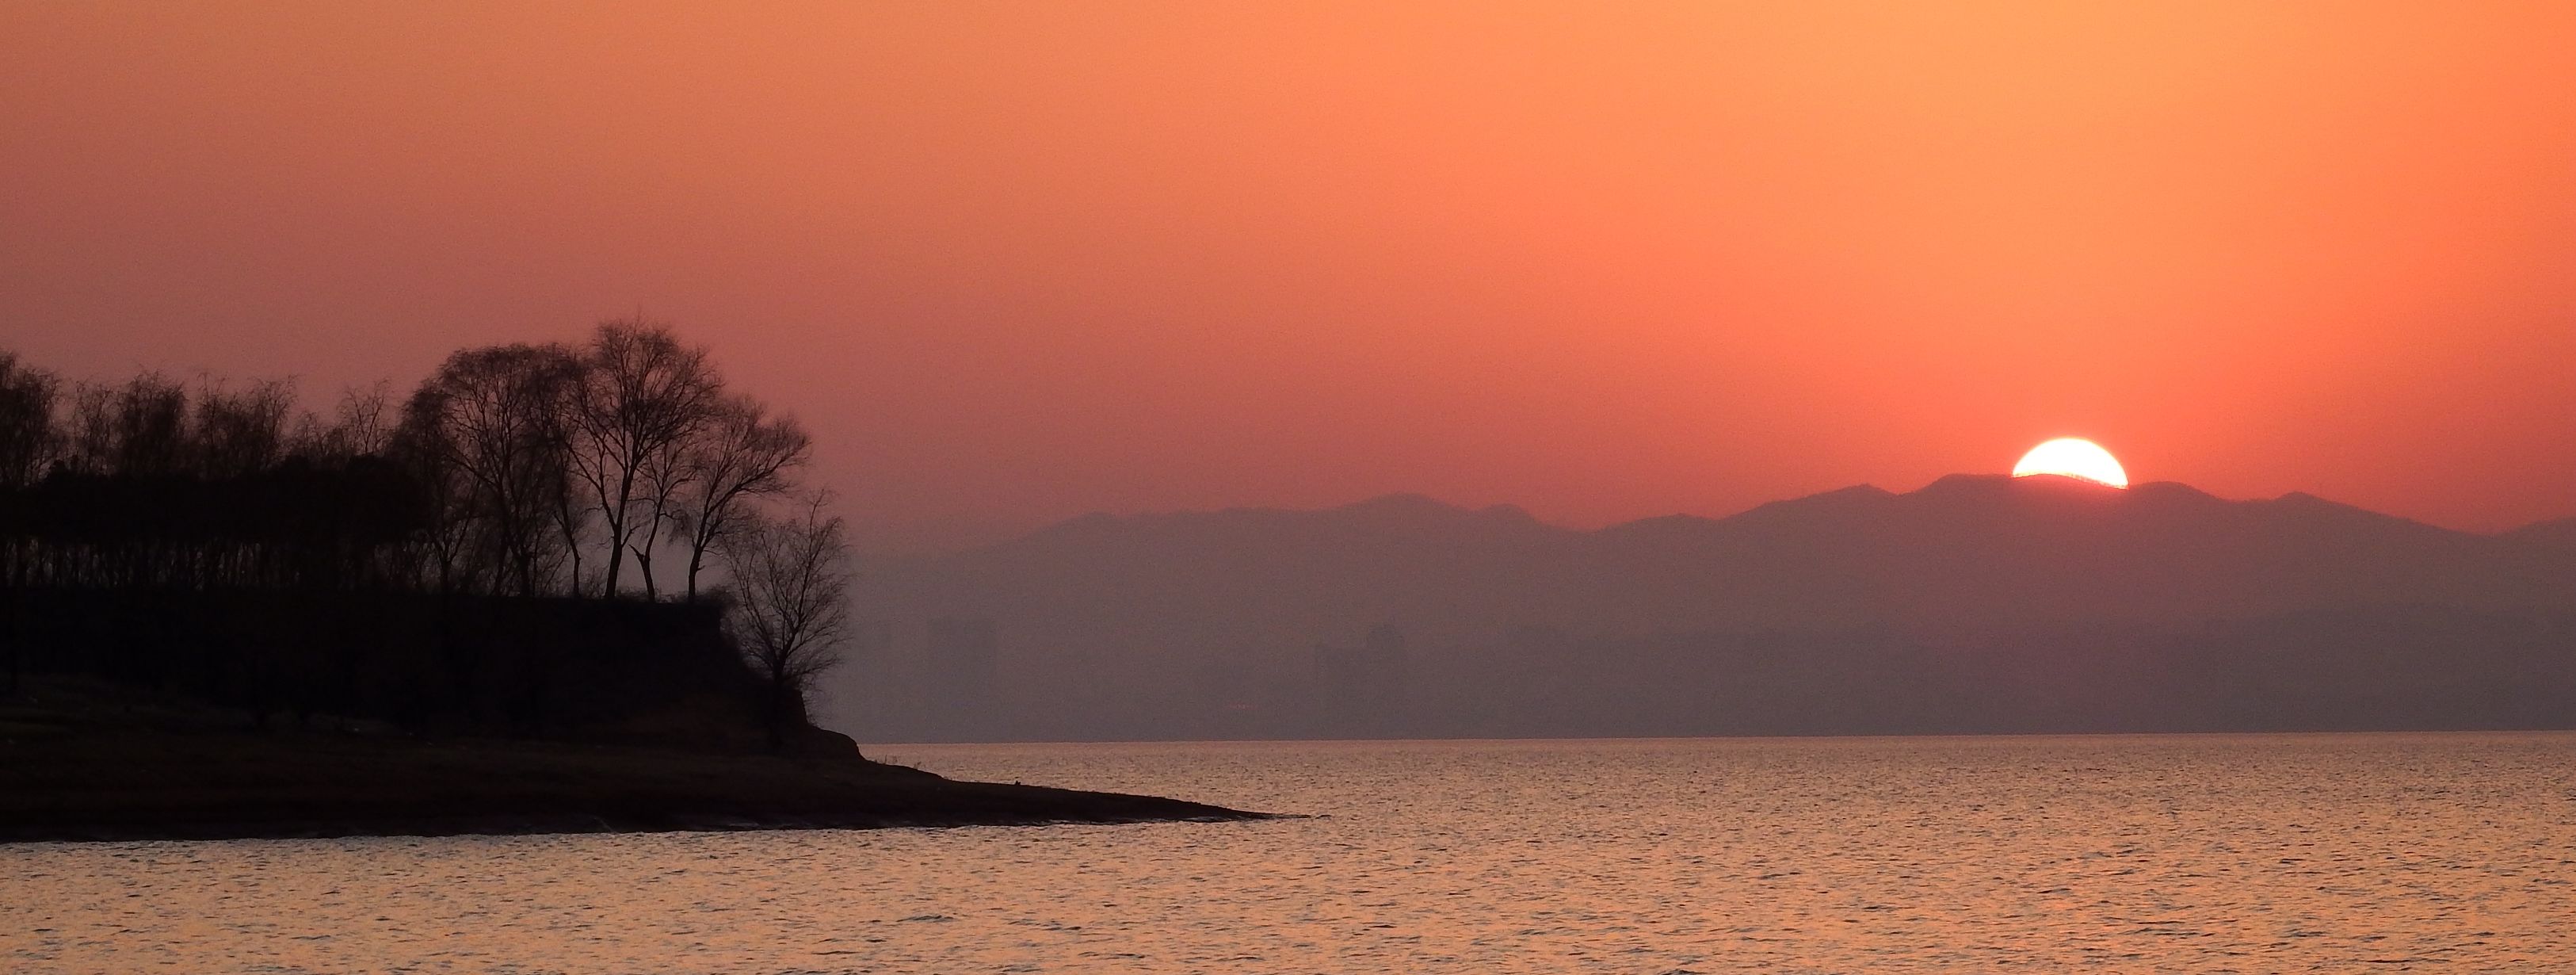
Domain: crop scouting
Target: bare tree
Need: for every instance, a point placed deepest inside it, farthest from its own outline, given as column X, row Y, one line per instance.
column 239, row 433
column 360, row 427
column 364, row 428
column 88, row 436
column 788, row 607
column 641, row 397
column 139, row 429
column 27, row 446
column 27, row 441
column 742, row 457
column 491, row 419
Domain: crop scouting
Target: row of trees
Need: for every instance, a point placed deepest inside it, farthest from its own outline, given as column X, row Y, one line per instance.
column 513, row 471
column 549, row 467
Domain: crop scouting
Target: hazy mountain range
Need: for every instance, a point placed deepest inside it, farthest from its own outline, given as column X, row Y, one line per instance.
column 1978, row 603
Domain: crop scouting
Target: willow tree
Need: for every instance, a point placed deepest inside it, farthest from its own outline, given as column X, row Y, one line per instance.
column 640, row 398
column 487, row 431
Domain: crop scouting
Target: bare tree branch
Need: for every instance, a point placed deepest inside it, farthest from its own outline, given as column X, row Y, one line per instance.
column 788, row 607
column 642, row 397
column 743, row 457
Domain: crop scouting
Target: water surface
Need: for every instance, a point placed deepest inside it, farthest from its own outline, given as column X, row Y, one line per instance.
column 2173, row 854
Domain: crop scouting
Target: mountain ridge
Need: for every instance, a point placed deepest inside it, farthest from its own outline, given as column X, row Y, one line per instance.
column 2554, row 530
column 1138, row 616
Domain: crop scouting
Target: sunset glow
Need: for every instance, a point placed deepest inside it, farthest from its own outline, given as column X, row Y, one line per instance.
column 2073, row 457
column 1022, row 262
column 1439, row 461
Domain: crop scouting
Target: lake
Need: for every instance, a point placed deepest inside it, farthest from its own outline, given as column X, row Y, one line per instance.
column 2258, row 854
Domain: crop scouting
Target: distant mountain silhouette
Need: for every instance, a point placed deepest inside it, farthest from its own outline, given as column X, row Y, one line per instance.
column 1998, row 550
column 2559, row 535
column 1208, row 624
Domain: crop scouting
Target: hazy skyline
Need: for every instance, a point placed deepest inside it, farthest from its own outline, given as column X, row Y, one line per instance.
column 1014, row 264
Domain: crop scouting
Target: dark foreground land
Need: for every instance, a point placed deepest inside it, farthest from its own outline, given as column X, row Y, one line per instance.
column 74, row 769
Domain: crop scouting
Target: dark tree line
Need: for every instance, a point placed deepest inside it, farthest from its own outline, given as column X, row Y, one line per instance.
column 546, row 468
column 623, row 469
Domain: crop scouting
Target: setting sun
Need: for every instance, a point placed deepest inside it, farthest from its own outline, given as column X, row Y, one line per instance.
column 2073, row 457
column 474, row 429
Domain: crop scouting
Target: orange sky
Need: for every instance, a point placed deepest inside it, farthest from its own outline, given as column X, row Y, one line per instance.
column 1018, row 262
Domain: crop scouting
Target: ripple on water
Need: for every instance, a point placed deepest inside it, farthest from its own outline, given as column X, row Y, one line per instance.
column 2188, row 853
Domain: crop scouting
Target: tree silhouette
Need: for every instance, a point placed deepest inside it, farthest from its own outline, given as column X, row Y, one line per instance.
column 788, row 608
column 417, row 562
column 492, row 419
column 744, row 457
column 27, row 439
column 640, row 397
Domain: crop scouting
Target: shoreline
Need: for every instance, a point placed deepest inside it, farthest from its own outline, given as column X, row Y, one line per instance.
column 575, row 824
column 103, row 781
column 943, row 804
